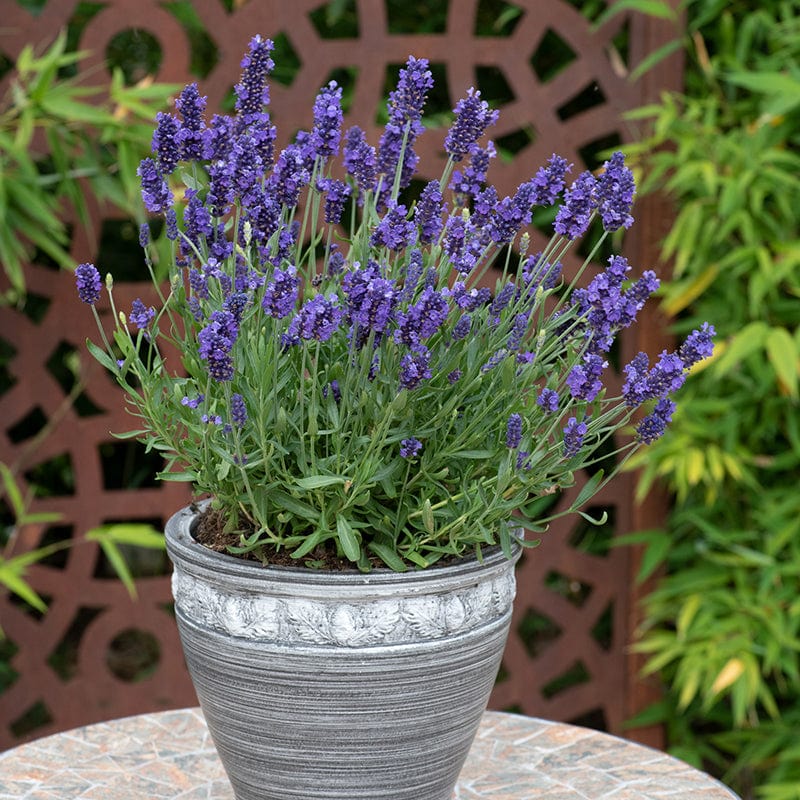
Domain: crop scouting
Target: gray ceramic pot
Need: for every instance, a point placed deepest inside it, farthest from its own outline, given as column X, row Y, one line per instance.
column 339, row 685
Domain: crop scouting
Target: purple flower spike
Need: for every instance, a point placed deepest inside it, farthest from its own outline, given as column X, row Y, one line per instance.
column 574, row 434
column 337, row 194
column 317, row 319
column 405, row 113
column 584, row 379
column 654, row 424
column 415, row 368
column 473, row 117
column 471, row 181
column 699, row 344
column 514, row 431
column 360, row 159
column 327, row 129
column 238, row 410
column 394, row 230
column 252, row 93
column 615, row 191
column 548, row 400
column 548, row 183
column 428, row 213
column 410, row 448
column 216, row 341
column 280, row 294
column 580, row 202
column 165, row 142
column 141, row 316
column 88, row 282
column 191, row 136
column 155, row 192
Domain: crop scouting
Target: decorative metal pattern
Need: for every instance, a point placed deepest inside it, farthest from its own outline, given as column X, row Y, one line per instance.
column 574, row 612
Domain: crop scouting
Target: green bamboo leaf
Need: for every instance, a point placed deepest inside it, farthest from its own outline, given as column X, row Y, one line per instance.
column 656, row 57
column 12, row 491
column 652, row 8
column 115, row 558
column 11, row 578
column 783, row 356
column 134, row 534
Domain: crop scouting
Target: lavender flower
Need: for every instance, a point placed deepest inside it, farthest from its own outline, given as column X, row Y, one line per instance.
column 280, row 294
column 415, row 368
column 644, row 384
column 421, row 320
column 412, row 276
column 410, row 448
column 405, row 113
column 155, row 192
column 252, row 92
column 572, row 219
column 574, row 434
column 394, row 230
column 473, row 116
column 514, row 431
column 289, row 176
column 462, row 328
column 615, row 191
column 698, row 345
column 190, row 137
column 360, row 160
column 470, row 182
column 584, row 378
column 428, row 213
column 453, row 376
column 318, row 319
column 548, row 400
column 88, row 282
column 327, row 121
column 238, row 410
column 171, row 220
column 144, row 235
column 371, row 304
column 192, row 402
column 141, row 316
column 654, row 424
column 216, row 342
column 337, row 194
column 165, row 143
column 548, row 182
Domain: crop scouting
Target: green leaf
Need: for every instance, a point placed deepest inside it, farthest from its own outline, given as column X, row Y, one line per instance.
column 783, row 356
column 295, row 506
column 588, row 490
column 347, row 539
column 655, row 57
column 319, row 481
column 115, row 558
column 388, row 556
column 653, row 8
column 11, row 578
column 102, row 357
column 177, row 477
column 427, row 515
column 128, row 533
column 12, row 492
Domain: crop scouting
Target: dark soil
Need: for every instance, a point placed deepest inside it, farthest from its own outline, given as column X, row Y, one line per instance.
column 209, row 530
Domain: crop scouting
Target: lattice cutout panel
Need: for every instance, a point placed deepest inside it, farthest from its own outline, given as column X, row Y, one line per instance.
column 96, row 654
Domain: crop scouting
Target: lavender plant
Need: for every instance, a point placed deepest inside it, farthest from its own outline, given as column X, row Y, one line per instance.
column 346, row 378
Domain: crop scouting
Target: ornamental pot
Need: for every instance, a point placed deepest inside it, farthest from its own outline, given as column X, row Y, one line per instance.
column 319, row 684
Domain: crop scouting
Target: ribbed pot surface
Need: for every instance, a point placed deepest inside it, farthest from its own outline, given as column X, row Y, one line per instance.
column 320, row 685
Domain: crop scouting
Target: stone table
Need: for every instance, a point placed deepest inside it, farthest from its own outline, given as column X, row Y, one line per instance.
column 170, row 755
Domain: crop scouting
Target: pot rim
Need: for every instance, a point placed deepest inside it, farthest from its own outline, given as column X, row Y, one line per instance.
column 194, row 557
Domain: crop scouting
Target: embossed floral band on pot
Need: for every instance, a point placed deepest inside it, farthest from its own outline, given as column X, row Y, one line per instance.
column 373, row 422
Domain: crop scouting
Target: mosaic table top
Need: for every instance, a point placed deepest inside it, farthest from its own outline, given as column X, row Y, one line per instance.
column 170, row 755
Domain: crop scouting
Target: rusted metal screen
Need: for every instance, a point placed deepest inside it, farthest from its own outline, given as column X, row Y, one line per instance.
column 96, row 654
